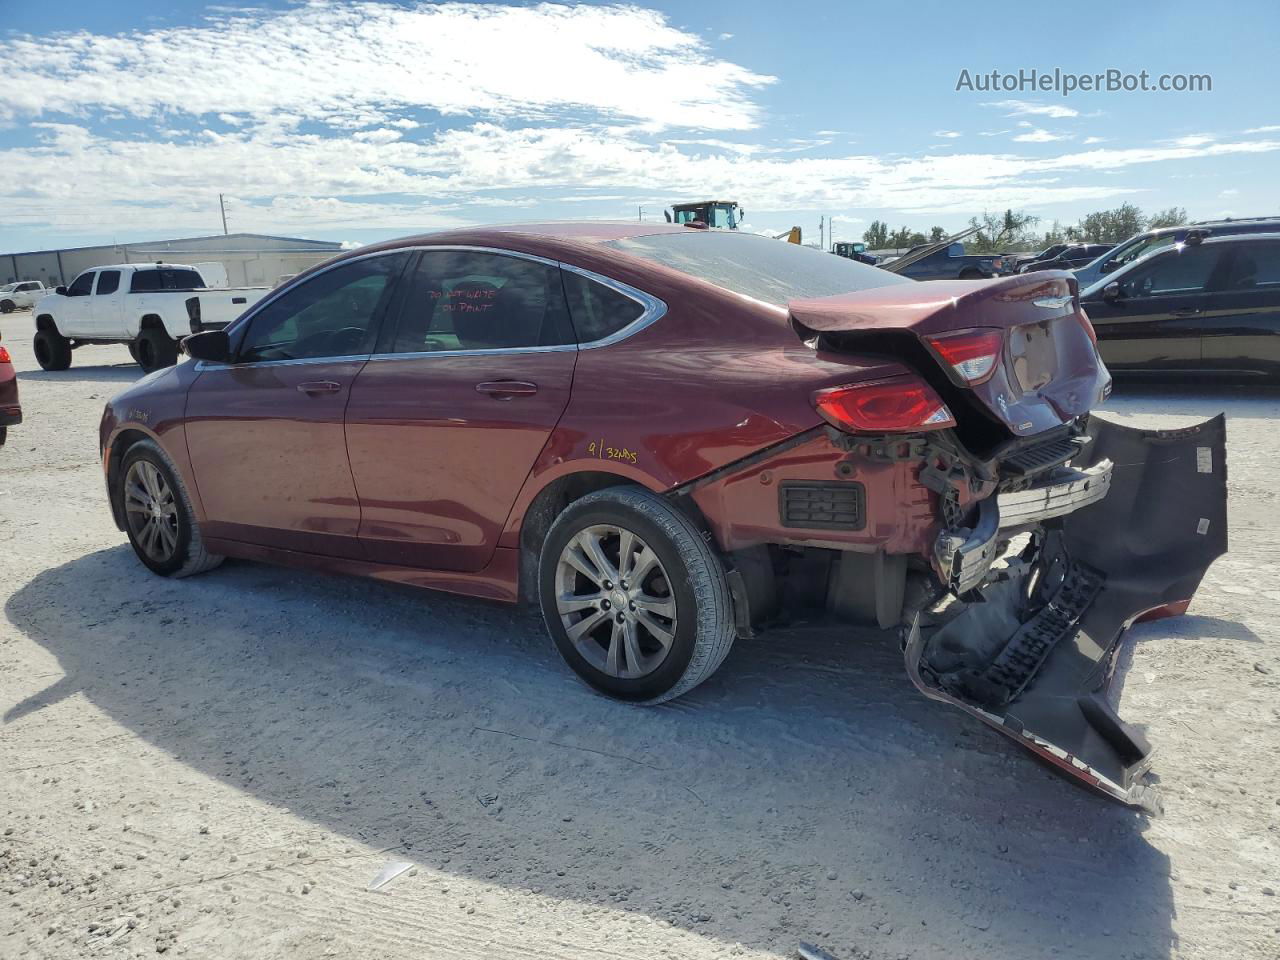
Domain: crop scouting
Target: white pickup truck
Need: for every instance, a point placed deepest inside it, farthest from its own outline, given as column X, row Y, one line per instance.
column 149, row 306
column 24, row 293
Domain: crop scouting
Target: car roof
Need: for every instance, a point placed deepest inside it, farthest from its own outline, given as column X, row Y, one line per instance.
column 1242, row 237
column 139, row 266
column 580, row 231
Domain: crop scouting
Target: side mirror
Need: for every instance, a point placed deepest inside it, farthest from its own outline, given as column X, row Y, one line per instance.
column 1111, row 292
column 60, row 291
column 212, row 345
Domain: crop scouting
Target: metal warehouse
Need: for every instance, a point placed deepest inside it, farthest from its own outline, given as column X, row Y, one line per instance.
column 249, row 259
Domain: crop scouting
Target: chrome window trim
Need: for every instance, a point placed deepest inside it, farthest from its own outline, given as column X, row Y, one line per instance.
column 203, row 365
column 654, row 309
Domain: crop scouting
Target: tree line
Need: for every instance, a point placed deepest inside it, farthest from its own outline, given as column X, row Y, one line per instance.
column 1015, row 230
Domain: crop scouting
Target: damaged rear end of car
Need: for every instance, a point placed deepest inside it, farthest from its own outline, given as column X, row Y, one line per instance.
column 973, row 500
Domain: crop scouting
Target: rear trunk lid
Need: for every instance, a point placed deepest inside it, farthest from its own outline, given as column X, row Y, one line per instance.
column 1048, row 371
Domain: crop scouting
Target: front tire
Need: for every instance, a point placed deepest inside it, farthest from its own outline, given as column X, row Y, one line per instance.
column 158, row 516
column 634, row 598
column 6, row 306
column 155, row 349
column 52, row 350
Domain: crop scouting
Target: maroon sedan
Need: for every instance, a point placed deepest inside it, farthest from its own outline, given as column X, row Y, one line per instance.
column 670, row 438
column 10, row 409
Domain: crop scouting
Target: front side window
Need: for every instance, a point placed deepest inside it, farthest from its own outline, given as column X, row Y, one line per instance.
column 108, row 281
column 82, row 285
column 1182, row 271
column 470, row 300
column 333, row 314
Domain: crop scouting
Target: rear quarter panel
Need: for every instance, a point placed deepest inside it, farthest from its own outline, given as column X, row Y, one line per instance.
column 718, row 378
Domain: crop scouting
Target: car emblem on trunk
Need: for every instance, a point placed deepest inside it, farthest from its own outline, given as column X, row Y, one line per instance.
column 1053, row 303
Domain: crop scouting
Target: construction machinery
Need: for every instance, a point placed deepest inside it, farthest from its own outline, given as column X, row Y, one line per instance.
column 718, row 214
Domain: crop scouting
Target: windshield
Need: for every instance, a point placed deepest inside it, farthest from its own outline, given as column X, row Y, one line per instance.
column 7, row 288
column 769, row 270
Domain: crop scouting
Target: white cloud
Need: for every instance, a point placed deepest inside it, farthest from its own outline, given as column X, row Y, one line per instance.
column 1040, row 135
column 1192, row 140
column 1231, row 192
column 1027, row 108
column 1274, row 128
column 1089, row 140
column 949, row 134
column 460, row 174
column 352, row 64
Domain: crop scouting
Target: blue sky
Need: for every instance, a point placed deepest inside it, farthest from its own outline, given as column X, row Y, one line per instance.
column 359, row 121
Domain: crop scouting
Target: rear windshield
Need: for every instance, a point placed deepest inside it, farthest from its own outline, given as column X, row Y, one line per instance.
column 165, row 278
column 770, row 270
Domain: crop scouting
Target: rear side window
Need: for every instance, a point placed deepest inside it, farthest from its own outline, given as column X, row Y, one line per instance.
column 1254, row 266
column 464, row 300
column 108, row 282
column 81, row 286
column 597, row 311
column 761, row 268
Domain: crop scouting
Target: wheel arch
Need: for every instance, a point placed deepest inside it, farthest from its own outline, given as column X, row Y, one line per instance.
column 547, row 504
column 151, row 321
column 116, row 449
column 46, row 322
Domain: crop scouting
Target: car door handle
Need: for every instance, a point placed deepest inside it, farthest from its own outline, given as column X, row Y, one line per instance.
column 319, row 386
column 506, row 389
column 1187, row 313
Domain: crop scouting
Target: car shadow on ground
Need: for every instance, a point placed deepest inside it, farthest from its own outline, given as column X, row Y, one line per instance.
column 804, row 793
column 104, row 373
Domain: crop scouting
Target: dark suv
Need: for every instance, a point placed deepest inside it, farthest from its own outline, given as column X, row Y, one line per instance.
column 1141, row 244
column 1211, row 305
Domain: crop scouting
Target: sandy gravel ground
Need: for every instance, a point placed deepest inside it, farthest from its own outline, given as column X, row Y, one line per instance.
column 219, row 767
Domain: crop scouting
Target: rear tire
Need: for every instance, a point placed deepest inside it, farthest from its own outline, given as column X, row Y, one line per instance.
column 52, row 350
column 970, row 275
column 155, row 349
column 649, row 638
column 159, row 519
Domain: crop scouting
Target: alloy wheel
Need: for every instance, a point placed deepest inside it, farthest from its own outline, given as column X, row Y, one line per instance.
column 151, row 510
column 615, row 601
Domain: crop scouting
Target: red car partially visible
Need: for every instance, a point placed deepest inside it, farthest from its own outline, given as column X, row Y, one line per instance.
column 670, row 438
column 10, row 409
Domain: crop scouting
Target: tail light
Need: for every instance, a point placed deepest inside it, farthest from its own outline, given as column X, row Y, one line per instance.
column 971, row 355
column 4, row 356
column 903, row 404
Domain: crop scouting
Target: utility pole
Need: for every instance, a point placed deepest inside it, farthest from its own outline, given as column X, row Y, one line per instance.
column 822, row 237
column 223, row 207
column 640, row 214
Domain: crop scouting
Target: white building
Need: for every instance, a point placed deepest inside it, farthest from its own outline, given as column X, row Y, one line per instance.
column 249, row 259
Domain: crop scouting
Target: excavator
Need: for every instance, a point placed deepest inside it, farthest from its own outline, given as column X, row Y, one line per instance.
column 718, row 215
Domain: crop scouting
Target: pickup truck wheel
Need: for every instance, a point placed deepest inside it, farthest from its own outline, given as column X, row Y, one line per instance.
column 155, row 349
column 970, row 275
column 6, row 306
column 52, row 350
column 158, row 514
column 635, row 599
